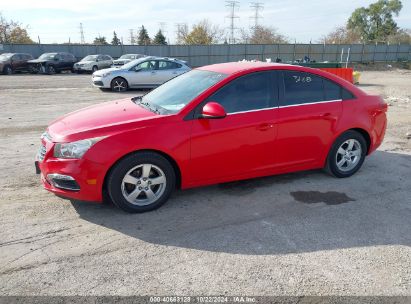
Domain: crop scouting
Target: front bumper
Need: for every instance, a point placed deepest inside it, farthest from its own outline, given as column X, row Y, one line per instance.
column 84, row 68
column 100, row 82
column 78, row 179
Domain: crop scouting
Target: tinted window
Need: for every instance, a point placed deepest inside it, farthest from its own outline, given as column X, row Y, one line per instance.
column 250, row 92
column 332, row 91
column 167, row 65
column 347, row 94
column 302, row 88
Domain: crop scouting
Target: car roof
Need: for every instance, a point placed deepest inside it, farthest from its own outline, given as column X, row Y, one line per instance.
column 235, row 67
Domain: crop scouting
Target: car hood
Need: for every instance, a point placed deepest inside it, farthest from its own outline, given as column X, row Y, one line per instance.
column 86, row 62
column 122, row 60
column 38, row 61
column 99, row 120
column 103, row 71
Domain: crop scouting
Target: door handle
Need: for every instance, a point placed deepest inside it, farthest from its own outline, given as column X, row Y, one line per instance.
column 265, row 126
column 153, row 72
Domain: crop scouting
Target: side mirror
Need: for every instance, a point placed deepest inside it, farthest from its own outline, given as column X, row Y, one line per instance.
column 213, row 110
column 137, row 69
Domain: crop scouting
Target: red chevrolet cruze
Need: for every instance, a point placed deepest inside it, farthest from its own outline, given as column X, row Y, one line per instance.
column 214, row 124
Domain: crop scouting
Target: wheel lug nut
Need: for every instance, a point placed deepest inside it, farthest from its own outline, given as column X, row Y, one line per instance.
column 138, row 183
column 140, row 188
column 146, row 188
column 149, row 182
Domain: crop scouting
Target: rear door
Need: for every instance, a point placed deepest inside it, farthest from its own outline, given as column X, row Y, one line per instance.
column 167, row 70
column 310, row 107
column 17, row 62
column 243, row 142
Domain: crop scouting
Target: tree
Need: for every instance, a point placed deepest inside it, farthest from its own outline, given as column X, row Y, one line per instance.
column 341, row 35
column 201, row 33
column 143, row 37
column 115, row 40
column 159, row 38
column 263, row 35
column 100, row 40
column 13, row 32
column 375, row 23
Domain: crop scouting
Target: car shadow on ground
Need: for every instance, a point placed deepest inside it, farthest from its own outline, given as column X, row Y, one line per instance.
column 292, row 213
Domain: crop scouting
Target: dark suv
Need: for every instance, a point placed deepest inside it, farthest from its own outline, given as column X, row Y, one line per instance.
column 14, row 62
column 52, row 63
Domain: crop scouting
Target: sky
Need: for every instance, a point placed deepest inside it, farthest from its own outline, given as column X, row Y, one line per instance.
column 56, row 21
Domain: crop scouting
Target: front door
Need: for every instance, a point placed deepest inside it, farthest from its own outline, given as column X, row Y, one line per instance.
column 244, row 141
column 143, row 74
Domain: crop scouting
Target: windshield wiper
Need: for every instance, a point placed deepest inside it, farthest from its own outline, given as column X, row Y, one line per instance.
column 139, row 100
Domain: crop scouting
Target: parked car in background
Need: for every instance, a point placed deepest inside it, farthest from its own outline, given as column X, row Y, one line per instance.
column 92, row 63
column 214, row 124
column 14, row 62
column 146, row 72
column 126, row 58
column 52, row 63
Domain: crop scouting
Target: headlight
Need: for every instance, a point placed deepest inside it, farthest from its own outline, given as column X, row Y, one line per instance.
column 106, row 74
column 75, row 149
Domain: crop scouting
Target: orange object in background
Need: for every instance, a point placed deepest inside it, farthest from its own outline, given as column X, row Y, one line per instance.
column 345, row 73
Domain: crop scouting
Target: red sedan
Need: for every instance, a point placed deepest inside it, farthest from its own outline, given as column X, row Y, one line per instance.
column 214, row 124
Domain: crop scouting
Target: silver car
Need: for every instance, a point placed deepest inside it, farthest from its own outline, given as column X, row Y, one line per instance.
column 92, row 63
column 126, row 58
column 147, row 72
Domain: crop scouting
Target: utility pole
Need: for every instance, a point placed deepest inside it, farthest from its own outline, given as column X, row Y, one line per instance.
column 257, row 7
column 82, row 40
column 132, row 38
column 180, row 30
column 233, row 6
column 163, row 27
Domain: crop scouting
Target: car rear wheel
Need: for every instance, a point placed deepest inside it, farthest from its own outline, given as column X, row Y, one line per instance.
column 94, row 69
column 119, row 85
column 141, row 182
column 8, row 70
column 347, row 154
column 50, row 70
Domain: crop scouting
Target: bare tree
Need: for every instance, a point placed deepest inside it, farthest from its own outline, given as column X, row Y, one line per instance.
column 201, row 33
column 341, row 35
column 263, row 35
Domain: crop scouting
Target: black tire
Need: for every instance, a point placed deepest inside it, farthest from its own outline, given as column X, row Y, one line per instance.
column 334, row 157
column 50, row 69
column 122, row 169
column 33, row 70
column 119, row 84
column 94, row 69
column 7, row 70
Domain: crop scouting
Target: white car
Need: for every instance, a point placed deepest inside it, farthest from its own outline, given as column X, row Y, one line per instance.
column 126, row 58
column 92, row 63
column 147, row 72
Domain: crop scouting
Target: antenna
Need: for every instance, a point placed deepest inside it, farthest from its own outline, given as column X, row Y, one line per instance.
column 132, row 39
column 233, row 6
column 258, row 7
column 82, row 40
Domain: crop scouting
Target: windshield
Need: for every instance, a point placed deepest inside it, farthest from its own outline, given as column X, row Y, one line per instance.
column 90, row 58
column 132, row 63
column 5, row 56
column 178, row 92
column 48, row 56
column 128, row 56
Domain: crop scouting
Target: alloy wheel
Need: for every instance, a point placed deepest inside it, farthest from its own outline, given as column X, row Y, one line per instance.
column 348, row 155
column 119, row 85
column 143, row 184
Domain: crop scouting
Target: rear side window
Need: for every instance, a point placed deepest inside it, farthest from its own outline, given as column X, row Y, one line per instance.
column 301, row 88
column 246, row 93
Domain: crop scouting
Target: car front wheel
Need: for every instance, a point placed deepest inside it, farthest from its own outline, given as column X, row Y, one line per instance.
column 347, row 154
column 141, row 182
column 8, row 70
column 119, row 85
column 51, row 70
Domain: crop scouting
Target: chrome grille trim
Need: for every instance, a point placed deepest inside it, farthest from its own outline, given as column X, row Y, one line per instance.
column 42, row 153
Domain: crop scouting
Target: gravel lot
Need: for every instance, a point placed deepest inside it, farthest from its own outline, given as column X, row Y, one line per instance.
column 296, row 234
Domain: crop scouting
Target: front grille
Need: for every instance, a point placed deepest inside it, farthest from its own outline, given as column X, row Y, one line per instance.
column 41, row 153
column 98, row 83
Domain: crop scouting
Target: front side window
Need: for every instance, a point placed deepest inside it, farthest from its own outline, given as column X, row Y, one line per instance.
column 246, row 93
column 146, row 66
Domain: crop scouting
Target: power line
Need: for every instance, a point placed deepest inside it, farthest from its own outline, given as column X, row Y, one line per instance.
column 233, row 6
column 82, row 40
column 258, row 7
